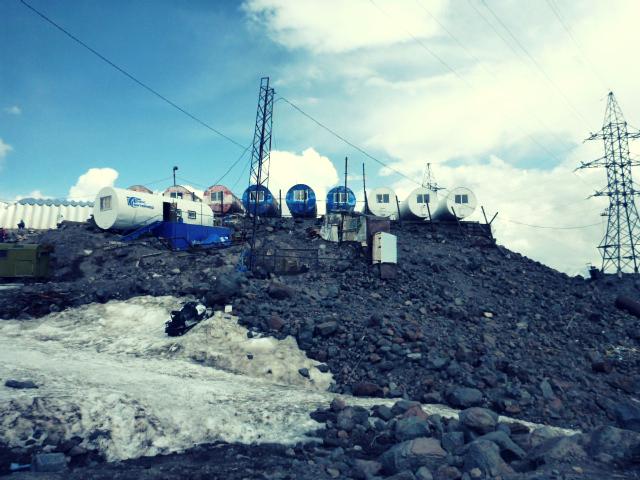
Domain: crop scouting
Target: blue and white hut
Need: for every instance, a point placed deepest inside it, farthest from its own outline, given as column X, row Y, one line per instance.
column 341, row 200
column 258, row 200
column 301, row 200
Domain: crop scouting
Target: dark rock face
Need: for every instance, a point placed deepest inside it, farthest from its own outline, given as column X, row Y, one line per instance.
column 279, row 291
column 25, row 384
column 628, row 415
column 413, row 454
column 465, row 397
column 366, row 389
column 485, row 456
column 479, row 419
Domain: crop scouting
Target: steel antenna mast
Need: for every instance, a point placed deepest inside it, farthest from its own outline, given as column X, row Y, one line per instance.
column 620, row 246
column 429, row 180
column 260, row 156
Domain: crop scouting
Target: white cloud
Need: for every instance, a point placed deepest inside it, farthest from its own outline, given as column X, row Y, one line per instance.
column 329, row 26
column 13, row 110
column 311, row 168
column 32, row 194
column 90, row 182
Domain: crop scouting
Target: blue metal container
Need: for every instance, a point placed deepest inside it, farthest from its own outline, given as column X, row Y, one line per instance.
column 301, row 200
column 260, row 201
column 340, row 200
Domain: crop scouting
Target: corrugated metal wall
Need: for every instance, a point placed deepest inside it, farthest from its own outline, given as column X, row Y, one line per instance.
column 41, row 217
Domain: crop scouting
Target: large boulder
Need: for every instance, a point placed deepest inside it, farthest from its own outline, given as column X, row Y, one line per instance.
column 224, row 288
column 509, row 450
column 556, row 449
column 463, row 397
column 366, row 389
column 280, row 291
column 485, row 456
column 413, row 454
column 481, row 420
column 628, row 415
column 617, row 444
column 411, row 427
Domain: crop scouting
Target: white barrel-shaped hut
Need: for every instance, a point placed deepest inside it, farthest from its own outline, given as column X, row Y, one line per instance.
column 180, row 192
column 382, row 202
column 458, row 202
column 418, row 204
column 120, row 209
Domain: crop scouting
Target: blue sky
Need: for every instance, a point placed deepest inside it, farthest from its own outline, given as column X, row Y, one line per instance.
column 500, row 110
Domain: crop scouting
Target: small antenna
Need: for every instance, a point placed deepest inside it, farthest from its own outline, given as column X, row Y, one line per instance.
column 429, row 180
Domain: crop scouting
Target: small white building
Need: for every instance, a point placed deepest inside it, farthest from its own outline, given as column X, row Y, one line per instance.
column 43, row 213
column 418, row 204
column 458, row 203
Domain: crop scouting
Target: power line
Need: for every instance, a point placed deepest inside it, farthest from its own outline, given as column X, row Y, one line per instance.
column 556, row 11
column 460, row 77
column 535, row 62
column 475, row 59
column 351, row 144
column 130, row 76
column 573, row 227
column 423, row 45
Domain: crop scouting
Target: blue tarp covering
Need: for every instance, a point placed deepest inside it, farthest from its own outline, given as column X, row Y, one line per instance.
column 181, row 236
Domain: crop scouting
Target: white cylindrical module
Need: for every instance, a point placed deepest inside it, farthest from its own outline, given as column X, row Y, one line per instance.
column 120, row 209
column 415, row 205
column 382, row 202
column 460, row 200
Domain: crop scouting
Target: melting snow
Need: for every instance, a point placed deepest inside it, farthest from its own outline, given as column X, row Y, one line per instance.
column 109, row 374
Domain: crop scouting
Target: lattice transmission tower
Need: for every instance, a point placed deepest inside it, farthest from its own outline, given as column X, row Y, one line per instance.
column 619, row 247
column 260, row 155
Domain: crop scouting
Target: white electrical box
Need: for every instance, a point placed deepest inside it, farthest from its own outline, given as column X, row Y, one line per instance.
column 385, row 248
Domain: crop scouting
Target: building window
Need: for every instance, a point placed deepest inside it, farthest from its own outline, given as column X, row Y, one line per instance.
column 176, row 195
column 340, row 197
column 382, row 198
column 461, row 199
column 252, row 196
column 191, row 214
column 105, row 203
column 217, row 196
column 422, row 198
column 300, row 195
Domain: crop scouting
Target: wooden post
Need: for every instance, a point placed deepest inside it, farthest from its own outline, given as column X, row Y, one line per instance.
column 398, row 209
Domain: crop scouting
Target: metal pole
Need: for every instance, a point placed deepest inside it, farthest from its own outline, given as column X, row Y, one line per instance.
column 280, row 202
column 346, row 164
column 364, row 187
column 174, row 176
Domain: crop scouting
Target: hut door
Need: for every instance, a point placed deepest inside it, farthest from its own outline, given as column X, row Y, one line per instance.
column 168, row 212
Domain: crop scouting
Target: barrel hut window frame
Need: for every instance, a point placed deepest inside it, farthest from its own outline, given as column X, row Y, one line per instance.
column 340, row 197
column 461, row 199
column 176, row 195
column 382, row 198
column 422, row 198
column 192, row 215
column 105, row 203
column 259, row 196
column 217, row 196
column 300, row 195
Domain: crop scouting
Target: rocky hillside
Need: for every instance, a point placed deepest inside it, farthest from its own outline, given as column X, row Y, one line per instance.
column 463, row 323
